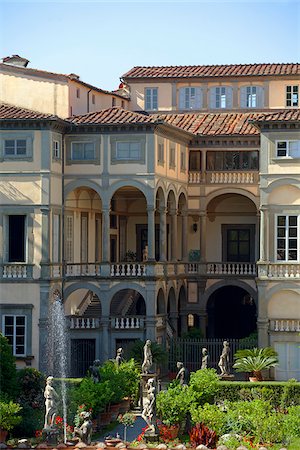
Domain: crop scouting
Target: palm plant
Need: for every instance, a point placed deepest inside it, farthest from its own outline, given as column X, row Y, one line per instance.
column 255, row 360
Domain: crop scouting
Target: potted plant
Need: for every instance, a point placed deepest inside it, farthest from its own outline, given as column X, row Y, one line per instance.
column 9, row 418
column 172, row 406
column 254, row 361
column 127, row 420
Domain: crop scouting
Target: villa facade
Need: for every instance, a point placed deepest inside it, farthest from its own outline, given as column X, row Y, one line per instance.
column 179, row 212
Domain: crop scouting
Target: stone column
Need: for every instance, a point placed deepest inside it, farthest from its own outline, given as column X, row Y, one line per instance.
column 174, row 237
column 45, row 234
column 163, row 233
column 184, row 233
column 151, row 232
column 105, row 234
column 105, row 338
column 203, row 218
column 263, row 332
column 264, row 232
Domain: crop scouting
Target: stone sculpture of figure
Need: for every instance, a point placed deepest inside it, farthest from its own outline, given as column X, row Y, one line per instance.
column 204, row 358
column 147, row 363
column 148, row 412
column 51, row 398
column 145, row 253
column 224, row 359
column 182, row 374
column 119, row 357
column 84, row 432
column 94, row 371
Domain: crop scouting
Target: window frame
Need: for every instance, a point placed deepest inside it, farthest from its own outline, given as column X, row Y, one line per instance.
column 128, row 157
column 287, row 155
column 83, row 143
column 172, row 156
column 183, row 159
column 286, row 238
column 287, row 100
column 189, row 96
column 153, row 102
column 14, row 344
column 15, row 155
column 160, row 153
column 56, row 149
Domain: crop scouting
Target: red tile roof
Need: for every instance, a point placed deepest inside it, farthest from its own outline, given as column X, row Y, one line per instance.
column 231, row 70
column 15, row 112
column 283, row 115
column 112, row 116
column 213, row 124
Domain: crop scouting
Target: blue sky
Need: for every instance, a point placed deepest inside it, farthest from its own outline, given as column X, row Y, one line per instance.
column 102, row 40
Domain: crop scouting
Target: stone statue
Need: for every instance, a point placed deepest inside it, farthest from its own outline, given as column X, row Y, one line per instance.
column 145, row 253
column 94, row 371
column 119, row 356
column 182, row 374
column 204, row 358
column 51, row 398
column 84, row 432
column 147, row 363
column 148, row 412
column 224, row 359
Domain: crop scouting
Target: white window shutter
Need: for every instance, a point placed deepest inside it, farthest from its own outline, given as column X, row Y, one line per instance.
column 228, row 97
column 259, row 97
column 212, row 97
column 198, row 98
column 182, row 98
column 243, row 97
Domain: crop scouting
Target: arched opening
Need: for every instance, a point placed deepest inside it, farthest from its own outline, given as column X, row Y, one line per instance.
column 231, row 313
column 127, row 302
column 172, row 324
column 160, row 303
column 182, row 320
column 172, row 230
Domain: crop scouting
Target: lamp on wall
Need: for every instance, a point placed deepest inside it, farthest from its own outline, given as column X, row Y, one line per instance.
column 195, row 227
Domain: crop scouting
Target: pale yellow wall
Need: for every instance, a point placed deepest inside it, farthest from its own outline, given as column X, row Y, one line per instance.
column 285, row 195
column 269, row 161
column 284, row 305
column 164, row 95
column 164, row 169
column 18, row 190
column 50, row 96
column 26, row 293
column 278, row 92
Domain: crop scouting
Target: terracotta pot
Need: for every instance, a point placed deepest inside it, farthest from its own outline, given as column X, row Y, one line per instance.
column 253, row 379
column 114, row 410
column 3, row 435
column 104, row 419
column 124, row 405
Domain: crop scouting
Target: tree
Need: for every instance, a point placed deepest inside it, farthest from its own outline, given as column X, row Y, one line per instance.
column 8, row 371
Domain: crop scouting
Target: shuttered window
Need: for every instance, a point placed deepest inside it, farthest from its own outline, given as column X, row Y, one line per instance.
column 288, row 149
column 292, row 95
column 287, row 238
column 190, row 98
column 151, row 96
column 69, row 239
column 221, row 97
column 251, row 97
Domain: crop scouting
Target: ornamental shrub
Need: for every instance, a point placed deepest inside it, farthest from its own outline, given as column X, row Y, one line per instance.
column 204, row 385
column 210, row 415
column 172, row 405
column 8, row 371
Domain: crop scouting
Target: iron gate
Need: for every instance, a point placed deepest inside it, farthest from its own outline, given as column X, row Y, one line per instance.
column 83, row 353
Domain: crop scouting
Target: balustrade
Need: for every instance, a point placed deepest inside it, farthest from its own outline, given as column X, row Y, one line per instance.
column 127, row 323
column 224, row 177
column 16, row 271
column 84, row 323
column 128, row 270
column 83, row 269
column 277, row 270
column 222, row 268
column 287, row 325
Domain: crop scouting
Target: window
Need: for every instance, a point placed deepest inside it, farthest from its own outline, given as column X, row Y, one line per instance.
column 15, row 147
column 292, row 95
column 195, row 161
column 128, row 151
column 251, row 97
column 182, row 160
column 287, row 238
column 151, row 96
column 288, row 149
column 82, row 151
column 122, row 104
column 93, row 99
column 221, row 97
column 172, row 156
column 56, row 238
column 16, row 238
column 69, row 239
column 232, row 160
column 161, row 154
column 238, row 245
column 15, row 331
column 190, row 98
column 56, row 150
column 113, row 102
column 78, row 93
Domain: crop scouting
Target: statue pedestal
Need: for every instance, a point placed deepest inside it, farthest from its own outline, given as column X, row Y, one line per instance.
column 151, row 436
column 50, row 435
column 227, row 377
column 143, row 390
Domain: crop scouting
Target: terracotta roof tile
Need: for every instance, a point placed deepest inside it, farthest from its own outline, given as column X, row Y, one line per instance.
column 283, row 115
column 14, row 112
column 112, row 116
column 231, row 70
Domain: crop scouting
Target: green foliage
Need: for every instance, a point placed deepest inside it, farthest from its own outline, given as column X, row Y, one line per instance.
column 172, row 405
column 9, row 417
column 291, row 394
column 8, row 385
column 193, row 333
column 136, row 351
column 211, row 416
column 292, row 422
column 255, row 360
column 201, row 434
column 205, row 385
column 95, row 396
column 31, row 385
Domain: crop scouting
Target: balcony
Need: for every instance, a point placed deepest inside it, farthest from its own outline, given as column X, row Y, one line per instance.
column 17, row 271
column 117, row 323
column 84, row 323
column 286, row 325
column 278, row 271
column 224, row 177
column 217, row 269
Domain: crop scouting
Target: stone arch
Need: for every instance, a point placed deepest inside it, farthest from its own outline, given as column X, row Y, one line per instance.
column 231, row 310
column 284, row 195
column 232, row 191
column 127, row 302
column 148, row 192
column 283, row 182
column 160, row 302
column 81, row 183
column 172, row 303
column 222, row 283
column 85, row 296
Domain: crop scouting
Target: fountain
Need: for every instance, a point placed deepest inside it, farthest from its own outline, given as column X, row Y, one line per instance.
column 57, row 355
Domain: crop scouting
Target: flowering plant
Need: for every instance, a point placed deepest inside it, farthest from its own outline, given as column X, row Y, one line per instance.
column 59, row 422
column 167, row 432
column 127, row 419
column 78, row 419
column 140, row 437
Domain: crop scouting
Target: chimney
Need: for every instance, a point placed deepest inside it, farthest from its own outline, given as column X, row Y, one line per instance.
column 15, row 60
